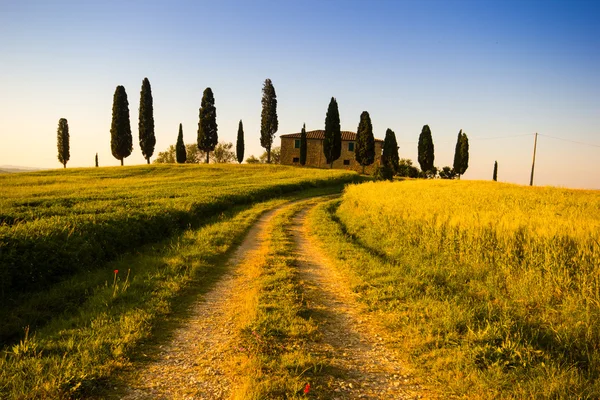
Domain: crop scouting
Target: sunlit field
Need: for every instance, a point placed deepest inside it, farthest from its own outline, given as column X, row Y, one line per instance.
column 57, row 223
column 494, row 288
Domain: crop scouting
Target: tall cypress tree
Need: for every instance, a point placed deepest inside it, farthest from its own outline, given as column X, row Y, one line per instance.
column 268, row 117
column 239, row 145
column 461, row 154
column 96, row 159
column 121, row 142
column 207, row 126
column 390, row 151
column 180, row 153
column 464, row 153
column 495, row 175
column 146, row 121
column 303, row 145
column 425, row 150
column 457, row 164
column 364, row 150
column 62, row 141
column 332, row 144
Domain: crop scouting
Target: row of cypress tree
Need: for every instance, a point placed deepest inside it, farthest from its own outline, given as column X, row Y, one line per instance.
column 364, row 150
column 122, row 141
column 207, row 139
column 365, row 145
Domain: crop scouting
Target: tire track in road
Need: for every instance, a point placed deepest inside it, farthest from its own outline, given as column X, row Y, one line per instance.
column 361, row 363
column 197, row 362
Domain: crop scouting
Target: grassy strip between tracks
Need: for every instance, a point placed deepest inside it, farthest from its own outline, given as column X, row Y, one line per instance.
column 278, row 366
column 77, row 351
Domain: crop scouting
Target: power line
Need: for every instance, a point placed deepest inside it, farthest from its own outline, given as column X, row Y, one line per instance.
column 514, row 136
column 572, row 141
column 482, row 138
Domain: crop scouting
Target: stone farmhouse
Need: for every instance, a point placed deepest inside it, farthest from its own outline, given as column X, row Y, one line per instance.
column 290, row 151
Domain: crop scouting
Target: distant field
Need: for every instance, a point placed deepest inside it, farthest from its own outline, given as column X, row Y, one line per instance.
column 493, row 289
column 53, row 223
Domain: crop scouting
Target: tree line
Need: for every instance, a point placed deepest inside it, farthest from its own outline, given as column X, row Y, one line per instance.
column 391, row 164
column 207, row 138
column 121, row 140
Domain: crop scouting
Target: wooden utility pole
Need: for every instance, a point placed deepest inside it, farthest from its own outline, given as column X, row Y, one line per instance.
column 533, row 164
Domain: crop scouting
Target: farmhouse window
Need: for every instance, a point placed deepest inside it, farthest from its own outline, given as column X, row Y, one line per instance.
column 347, row 162
column 350, row 147
column 297, row 143
column 296, row 159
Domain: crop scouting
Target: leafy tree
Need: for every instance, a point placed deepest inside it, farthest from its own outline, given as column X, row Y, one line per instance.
column 429, row 174
column 169, row 156
column 239, row 145
column 166, row 157
column 193, row 155
column 268, row 117
column 364, row 150
column 275, row 156
column 62, row 141
column 223, row 153
column 121, row 142
column 303, row 145
column 448, row 173
column 495, row 175
column 425, row 149
column 207, row 126
column 96, row 159
column 406, row 169
column 461, row 154
column 384, row 172
column 146, row 121
column 390, row 151
column 252, row 160
column 180, row 153
column 332, row 144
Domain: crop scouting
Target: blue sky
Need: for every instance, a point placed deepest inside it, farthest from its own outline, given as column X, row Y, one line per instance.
column 495, row 69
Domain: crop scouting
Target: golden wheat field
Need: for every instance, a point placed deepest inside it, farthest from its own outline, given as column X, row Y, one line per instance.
column 495, row 287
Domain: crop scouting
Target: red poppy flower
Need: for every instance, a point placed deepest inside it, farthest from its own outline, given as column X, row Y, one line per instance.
column 307, row 388
column 116, row 271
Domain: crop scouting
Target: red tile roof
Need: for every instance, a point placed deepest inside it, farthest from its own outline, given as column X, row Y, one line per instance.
column 320, row 134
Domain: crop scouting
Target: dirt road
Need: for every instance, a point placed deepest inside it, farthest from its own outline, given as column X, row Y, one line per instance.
column 198, row 362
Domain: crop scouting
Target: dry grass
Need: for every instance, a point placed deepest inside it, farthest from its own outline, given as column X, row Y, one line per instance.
column 493, row 288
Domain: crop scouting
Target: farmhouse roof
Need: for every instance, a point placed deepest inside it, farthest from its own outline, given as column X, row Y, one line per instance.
column 320, row 134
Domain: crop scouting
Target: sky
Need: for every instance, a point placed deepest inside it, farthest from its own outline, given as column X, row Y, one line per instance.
column 499, row 70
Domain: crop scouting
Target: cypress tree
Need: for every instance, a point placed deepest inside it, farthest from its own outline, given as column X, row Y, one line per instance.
column 303, row 145
column 96, row 159
column 268, row 117
column 121, row 142
column 62, row 141
column 457, row 154
column 207, row 126
column 332, row 144
column 425, row 150
column 390, row 151
column 239, row 145
column 180, row 153
column 495, row 175
column 146, row 121
column 461, row 154
column 464, row 154
column 364, row 150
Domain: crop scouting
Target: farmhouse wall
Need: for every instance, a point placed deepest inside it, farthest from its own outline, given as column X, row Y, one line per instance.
column 290, row 155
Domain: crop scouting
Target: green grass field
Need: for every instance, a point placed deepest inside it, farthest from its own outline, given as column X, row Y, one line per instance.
column 492, row 289
column 89, row 323
column 55, row 224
